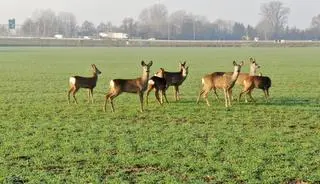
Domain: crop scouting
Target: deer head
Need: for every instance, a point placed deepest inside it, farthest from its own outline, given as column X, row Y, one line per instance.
column 146, row 67
column 95, row 69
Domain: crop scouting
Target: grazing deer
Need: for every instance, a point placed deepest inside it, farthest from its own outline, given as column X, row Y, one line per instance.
column 220, row 80
column 176, row 78
column 138, row 85
column 260, row 82
column 77, row 82
column 159, row 84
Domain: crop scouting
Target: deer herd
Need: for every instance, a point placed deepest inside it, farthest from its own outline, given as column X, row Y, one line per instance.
column 163, row 79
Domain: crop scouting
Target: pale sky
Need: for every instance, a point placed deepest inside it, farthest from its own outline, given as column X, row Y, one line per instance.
column 96, row 11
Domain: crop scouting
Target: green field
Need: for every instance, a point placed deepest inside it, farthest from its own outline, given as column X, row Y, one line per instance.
column 45, row 140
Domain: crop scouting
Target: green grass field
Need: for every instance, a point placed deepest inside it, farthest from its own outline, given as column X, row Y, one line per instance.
column 45, row 140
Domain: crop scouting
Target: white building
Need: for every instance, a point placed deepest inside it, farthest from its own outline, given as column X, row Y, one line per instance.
column 113, row 35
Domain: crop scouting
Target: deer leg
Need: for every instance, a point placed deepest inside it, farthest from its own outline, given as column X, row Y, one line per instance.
column 265, row 94
column 157, row 96
column 147, row 95
column 106, row 101
column 225, row 97
column 70, row 90
column 75, row 89
column 205, row 96
column 242, row 92
column 91, row 92
column 110, row 96
column 200, row 93
column 229, row 96
column 176, row 92
column 216, row 95
column 268, row 93
column 141, row 100
column 249, row 94
column 89, row 95
column 164, row 94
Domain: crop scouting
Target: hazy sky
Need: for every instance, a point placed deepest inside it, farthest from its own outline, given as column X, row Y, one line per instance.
column 96, row 11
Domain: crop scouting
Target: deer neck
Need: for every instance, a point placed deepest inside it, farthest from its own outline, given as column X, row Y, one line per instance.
column 234, row 77
column 145, row 78
column 95, row 76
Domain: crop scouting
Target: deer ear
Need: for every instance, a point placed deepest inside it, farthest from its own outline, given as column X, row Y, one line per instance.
column 184, row 62
column 242, row 63
column 150, row 63
column 142, row 63
column 234, row 63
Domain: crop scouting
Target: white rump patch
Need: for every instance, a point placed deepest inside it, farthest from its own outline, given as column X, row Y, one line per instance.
column 111, row 84
column 151, row 82
column 72, row 80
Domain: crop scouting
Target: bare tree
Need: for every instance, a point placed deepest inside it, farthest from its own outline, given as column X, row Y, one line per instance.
column 66, row 24
column 275, row 16
column 28, row 27
column 176, row 20
column 314, row 29
column 87, row 29
column 315, row 23
column 102, row 27
column 3, row 30
column 129, row 26
column 153, row 20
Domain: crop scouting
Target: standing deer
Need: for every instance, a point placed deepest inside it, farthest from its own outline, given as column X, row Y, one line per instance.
column 77, row 82
column 159, row 84
column 253, row 70
column 176, row 79
column 260, row 82
column 220, row 80
column 138, row 85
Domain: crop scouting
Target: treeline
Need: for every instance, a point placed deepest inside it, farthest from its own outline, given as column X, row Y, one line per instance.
column 156, row 22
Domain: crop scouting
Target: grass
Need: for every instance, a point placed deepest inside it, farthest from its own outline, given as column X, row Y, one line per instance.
column 45, row 140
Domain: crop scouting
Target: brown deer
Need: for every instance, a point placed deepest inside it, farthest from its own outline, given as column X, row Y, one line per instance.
column 176, row 79
column 138, row 86
column 77, row 82
column 159, row 84
column 253, row 69
column 260, row 82
column 220, row 80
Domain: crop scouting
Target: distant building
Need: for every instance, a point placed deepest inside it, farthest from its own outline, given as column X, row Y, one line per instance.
column 113, row 35
column 58, row 36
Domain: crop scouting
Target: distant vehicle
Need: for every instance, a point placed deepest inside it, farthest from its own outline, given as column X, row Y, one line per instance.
column 58, row 36
column 86, row 38
column 152, row 39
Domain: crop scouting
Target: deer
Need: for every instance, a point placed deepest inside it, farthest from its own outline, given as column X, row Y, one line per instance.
column 77, row 82
column 176, row 79
column 138, row 86
column 260, row 82
column 220, row 80
column 159, row 84
column 252, row 72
